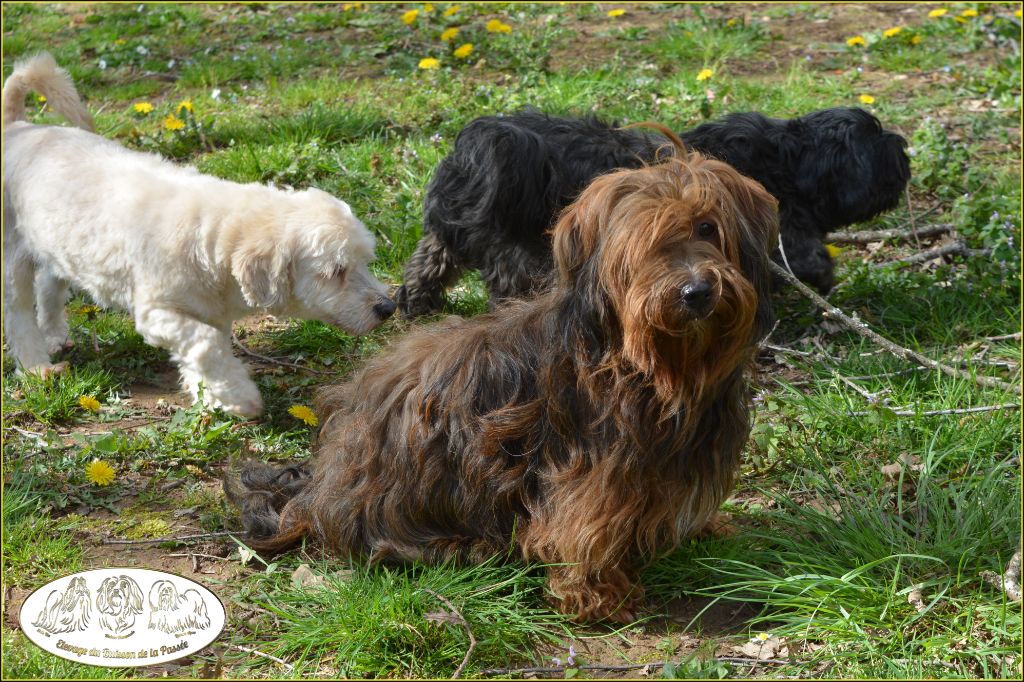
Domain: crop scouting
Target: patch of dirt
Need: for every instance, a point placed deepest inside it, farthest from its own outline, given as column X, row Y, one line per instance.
column 659, row 640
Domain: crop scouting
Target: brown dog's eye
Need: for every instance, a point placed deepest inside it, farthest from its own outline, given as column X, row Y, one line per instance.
column 706, row 229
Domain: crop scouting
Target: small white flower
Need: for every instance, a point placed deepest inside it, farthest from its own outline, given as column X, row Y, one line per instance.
column 215, row 93
column 103, row 64
column 142, row 49
column 170, row 64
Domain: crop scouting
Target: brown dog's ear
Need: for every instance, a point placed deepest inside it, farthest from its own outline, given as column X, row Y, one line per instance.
column 575, row 235
column 261, row 269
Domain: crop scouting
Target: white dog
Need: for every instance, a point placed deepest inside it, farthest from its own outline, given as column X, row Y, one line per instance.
column 185, row 253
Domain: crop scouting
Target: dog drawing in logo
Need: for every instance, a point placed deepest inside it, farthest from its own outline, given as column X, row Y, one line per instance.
column 67, row 612
column 119, row 601
column 175, row 613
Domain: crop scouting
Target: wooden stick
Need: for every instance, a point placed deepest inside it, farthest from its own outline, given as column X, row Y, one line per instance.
column 632, row 666
column 275, row 659
column 957, row 247
column 833, row 313
column 180, row 538
column 962, row 410
column 867, row 236
column 465, row 624
column 271, row 360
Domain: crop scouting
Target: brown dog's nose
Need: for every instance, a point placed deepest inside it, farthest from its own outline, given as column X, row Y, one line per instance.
column 696, row 295
column 385, row 309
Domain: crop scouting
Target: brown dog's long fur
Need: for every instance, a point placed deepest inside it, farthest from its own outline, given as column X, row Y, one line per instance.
column 593, row 427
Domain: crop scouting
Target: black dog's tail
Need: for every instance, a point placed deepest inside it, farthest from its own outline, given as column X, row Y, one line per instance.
column 260, row 491
column 429, row 272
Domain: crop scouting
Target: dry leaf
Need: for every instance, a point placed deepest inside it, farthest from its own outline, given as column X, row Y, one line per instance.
column 916, row 599
column 438, row 617
column 764, row 649
column 303, row 576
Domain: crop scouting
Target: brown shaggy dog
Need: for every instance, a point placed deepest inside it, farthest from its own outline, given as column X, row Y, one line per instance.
column 593, row 427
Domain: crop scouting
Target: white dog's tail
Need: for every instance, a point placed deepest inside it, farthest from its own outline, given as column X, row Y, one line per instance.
column 42, row 75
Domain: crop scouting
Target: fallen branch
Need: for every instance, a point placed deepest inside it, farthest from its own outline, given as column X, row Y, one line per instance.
column 1005, row 337
column 868, row 236
column 1009, row 581
column 273, row 361
column 462, row 621
column 931, row 413
column 180, row 538
column 632, row 666
column 833, row 313
column 275, row 659
column 956, row 247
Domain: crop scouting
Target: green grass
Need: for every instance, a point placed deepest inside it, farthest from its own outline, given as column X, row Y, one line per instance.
column 841, row 515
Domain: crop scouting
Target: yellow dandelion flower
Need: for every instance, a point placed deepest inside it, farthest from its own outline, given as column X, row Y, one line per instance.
column 172, row 122
column 99, row 472
column 451, row 10
column 731, row 22
column 763, row 636
column 705, row 74
column 428, row 8
column 463, row 51
column 185, row 104
column 449, row 34
column 429, row 63
column 960, row 20
column 142, row 107
column 889, row 33
column 498, row 26
column 616, row 12
column 856, row 40
column 410, row 16
column 347, row 6
column 87, row 402
column 937, row 12
column 866, row 99
column 833, row 250
column 969, row 13
column 1018, row 13
column 88, row 309
column 915, row 40
column 41, row 99
column 304, row 414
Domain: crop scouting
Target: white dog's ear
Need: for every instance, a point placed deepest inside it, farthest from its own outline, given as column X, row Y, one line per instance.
column 261, row 269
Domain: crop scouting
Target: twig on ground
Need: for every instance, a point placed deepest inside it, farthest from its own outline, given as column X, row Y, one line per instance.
column 833, row 313
column 271, row 360
column 1005, row 337
column 275, row 659
column 199, row 554
column 180, row 538
column 631, row 666
column 783, row 349
column 1009, row 581
column 462, row 621
column 957, row 247
column 868, row 236
column 931, row 413
column 913, row 221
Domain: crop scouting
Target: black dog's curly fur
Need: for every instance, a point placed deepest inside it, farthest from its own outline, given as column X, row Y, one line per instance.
column 492, row 200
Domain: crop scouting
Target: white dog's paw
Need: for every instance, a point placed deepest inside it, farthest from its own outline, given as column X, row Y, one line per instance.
column 46, row 371
column 244, row 401
column 58, row 344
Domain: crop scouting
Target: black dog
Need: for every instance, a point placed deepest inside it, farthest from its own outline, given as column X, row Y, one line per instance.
column 492, row 199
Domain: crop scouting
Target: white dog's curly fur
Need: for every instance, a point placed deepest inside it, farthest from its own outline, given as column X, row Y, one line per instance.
column 185, row 253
